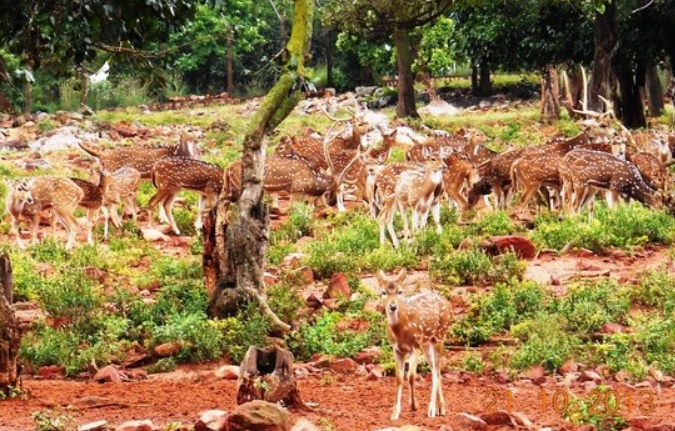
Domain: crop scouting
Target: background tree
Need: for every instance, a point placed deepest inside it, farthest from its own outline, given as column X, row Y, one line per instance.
column 382, row 19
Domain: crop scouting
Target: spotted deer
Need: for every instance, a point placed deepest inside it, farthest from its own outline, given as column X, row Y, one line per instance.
column 418, row 191
column 586, row 172
column 21, row 206
column 92, row 199
column 119, row 188
column 418, row 322
column 653, row 171
column 49, row 192
column 170, row 175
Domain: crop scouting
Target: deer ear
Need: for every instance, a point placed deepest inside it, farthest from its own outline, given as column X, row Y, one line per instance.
column 381, row 277
column 10, row 183
column 401, row 275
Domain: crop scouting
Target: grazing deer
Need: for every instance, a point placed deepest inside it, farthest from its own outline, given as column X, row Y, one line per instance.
column 419, row 322
column 48, row 192
column 119, row 187
column 586, row 172
column 92, row 200
column 172, row 174
column 418, row 191
column 653, row 171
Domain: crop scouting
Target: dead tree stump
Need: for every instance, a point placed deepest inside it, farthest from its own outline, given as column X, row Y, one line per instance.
column 10, row 335
column 267, row 374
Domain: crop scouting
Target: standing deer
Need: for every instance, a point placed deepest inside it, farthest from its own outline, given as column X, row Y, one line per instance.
column 49, row 192
column 172, row 174
column 417, row 190
column 119, row 187
column 419, row 322
column 20, row 205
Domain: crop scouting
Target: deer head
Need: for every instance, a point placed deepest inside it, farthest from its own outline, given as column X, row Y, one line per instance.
column 392, row 295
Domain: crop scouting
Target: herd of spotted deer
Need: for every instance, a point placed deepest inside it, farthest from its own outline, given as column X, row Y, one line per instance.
column 566, row 172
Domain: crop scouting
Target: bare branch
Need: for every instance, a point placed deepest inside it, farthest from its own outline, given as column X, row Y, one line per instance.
column 640, row 9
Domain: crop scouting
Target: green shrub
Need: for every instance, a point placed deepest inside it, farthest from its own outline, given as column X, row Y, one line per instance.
column 495, row 223
column 656, row 337
column 544, row 342
column 656, row 289
column 248, row 328
column 201, row 339
column 587, row 307
column 473, row 266
column 164, row 365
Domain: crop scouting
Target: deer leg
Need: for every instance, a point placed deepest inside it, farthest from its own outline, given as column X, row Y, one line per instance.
column 70, row 224
column 438, row 349
column 412, row 373
column 106, row 216
column 390, row 224
column 400, row 364
column 168, row 202
column 341, row 199
column 432, row 357
column 16, row 227
column 436, row 214
column 200, row 210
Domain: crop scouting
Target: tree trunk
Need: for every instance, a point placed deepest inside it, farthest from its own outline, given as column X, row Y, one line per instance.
column 241, row 236
column 550, row 95
column 484, row 83
column 631, row 112
column 230, row 60
column 653, row 91
column 10, row 335
column 267, row 374
column 606, row 38
column 474, row 79
column 329, row 59
column 27, row 97
column 406, row 82
column 84, row 91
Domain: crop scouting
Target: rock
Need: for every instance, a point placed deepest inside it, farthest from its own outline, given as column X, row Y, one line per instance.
column 44, row 269
column 331, row 304
column 137, row 374
column 109, row 374
column 569, row 366
column 613, row 328
column 465, row 421
column 167, row 349
column 259, row 416
column 94, row 426
column 313, row 301
column 520, row 419
column 368, row 355
column 154, row 235
column 661, row 427
column 536, row 374
column 304, row 425
column 338, row 287
column 144, row 425
column 375, row 374
column 586, row 428
column 93, row 273
column 212, row 420
column 642, row 422
column 523, row 247
column 28, row 317
column 499, row 417
column 293, row 260
column 51, row 372
column 323, row 361
column 570, row 378
column 589, row 386
column 622, row 376
column 363, row 91
column 344, row 365
column 655, row 374
column 438, row 108
column 590, row 376
column 305, row 275
column 228, row 372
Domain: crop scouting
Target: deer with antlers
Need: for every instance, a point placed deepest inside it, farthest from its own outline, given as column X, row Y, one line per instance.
column 170, row 175
column 49, row 192
column 418, row 322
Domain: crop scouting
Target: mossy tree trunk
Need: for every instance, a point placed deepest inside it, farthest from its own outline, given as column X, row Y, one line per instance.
column 550, row 95
column 606, row 43
column 406, row 82
column 237, row 244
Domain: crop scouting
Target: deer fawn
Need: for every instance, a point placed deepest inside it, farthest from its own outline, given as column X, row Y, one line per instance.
column 172, row 174
column 119, row 187
column 419, row 322
column 48, row 192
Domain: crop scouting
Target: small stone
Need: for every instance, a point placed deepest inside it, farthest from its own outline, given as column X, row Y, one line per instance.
column 167, row 349
column 108, row 374
column 622, row 376
column 94, row 426
column 536, row 374
column 212, row 420
column 569, row 366
column 465, row 421
column 303, row 425
column 613, row 328
column 344, row 365
column 331, row 304
column 259, row 416
column 500, row 417
column 661, row 427
column 338, row 287
column 589, row 386
column 521, row 419
column 523, row 247
column 368, row 355
column 586, row 428
column 590, row 376
column 655, row 374
column 144, row 425
column 375, row 374
column 313, row 301
column 154, row 235
column 52, row 372
column 305, row 275
column 642, row 422
column 293, row 260
column 228, row 372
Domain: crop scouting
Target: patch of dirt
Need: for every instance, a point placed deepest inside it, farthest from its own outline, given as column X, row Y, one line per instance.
column 349, row 402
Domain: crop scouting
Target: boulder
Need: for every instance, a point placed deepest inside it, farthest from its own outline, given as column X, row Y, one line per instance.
column 259, row 415
column 109, row 374
column 465, row 421
column 499, row 417
column 94, row 426
column 228, row 372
